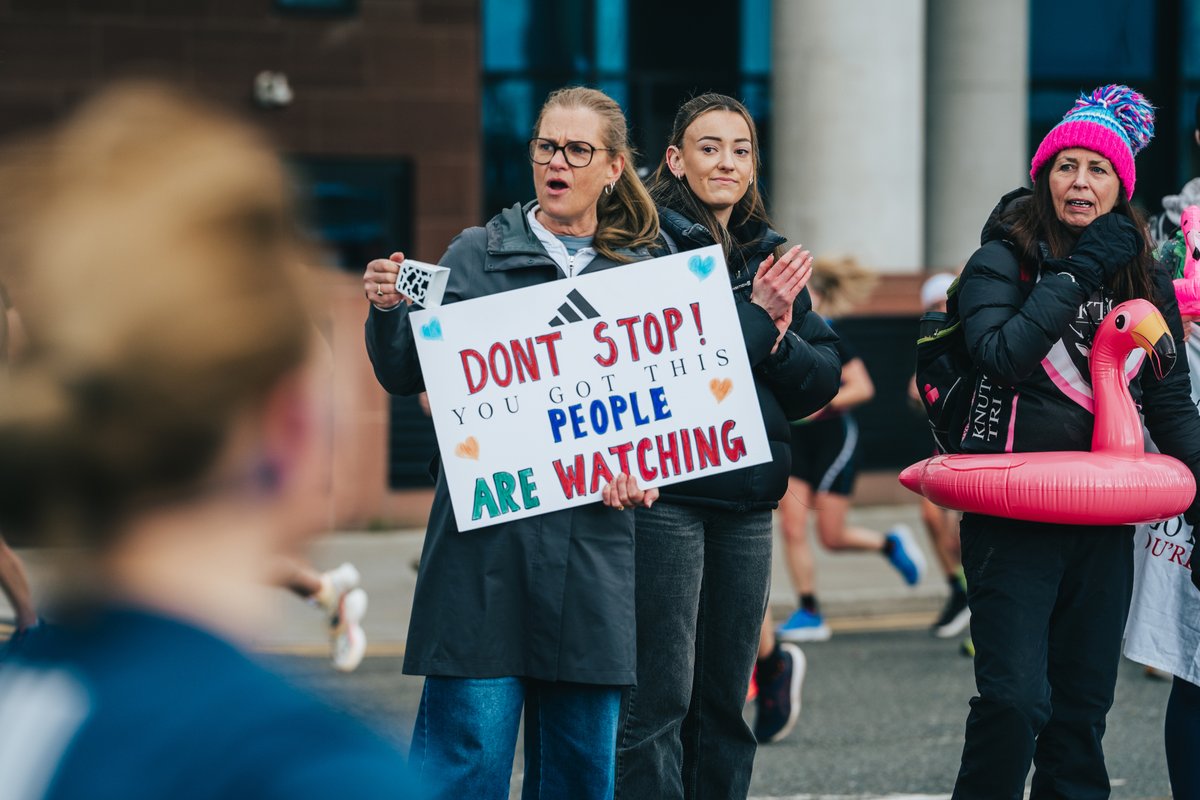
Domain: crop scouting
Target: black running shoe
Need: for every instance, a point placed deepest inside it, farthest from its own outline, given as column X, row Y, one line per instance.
column 779, row 694
column 954, row 617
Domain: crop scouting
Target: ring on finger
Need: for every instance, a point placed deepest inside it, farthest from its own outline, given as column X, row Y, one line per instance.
column 379, row 289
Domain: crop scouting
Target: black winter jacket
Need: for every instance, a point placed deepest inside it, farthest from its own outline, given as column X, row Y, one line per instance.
column 547, row 597
column 799, row 378
column 1030, row 329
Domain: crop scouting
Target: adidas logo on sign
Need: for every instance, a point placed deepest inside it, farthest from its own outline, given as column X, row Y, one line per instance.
column 574, row 309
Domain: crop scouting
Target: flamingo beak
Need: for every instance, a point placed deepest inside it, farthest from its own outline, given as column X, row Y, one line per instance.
column 1153, row 336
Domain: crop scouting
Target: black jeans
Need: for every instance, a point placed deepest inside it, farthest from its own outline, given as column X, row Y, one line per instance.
column 1048, row 606
column 702, row 581
column 1182, row 733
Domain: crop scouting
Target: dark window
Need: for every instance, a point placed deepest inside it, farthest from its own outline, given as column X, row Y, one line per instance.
column 359, row 208
column 412, row 445
column 648, row 57
column 893, row 433
column 318, row 6
column 1102, row 37
column 1142, row 43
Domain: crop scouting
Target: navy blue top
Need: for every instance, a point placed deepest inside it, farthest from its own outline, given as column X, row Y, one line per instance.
column 574, row 243
column 129, row 705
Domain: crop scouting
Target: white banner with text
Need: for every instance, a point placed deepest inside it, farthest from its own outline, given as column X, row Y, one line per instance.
column 541, row 396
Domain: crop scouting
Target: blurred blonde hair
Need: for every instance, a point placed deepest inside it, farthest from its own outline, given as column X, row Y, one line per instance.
column 151, row 248
column 842, row 283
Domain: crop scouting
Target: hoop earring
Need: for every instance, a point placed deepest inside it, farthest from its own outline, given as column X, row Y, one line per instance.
column 609, row 189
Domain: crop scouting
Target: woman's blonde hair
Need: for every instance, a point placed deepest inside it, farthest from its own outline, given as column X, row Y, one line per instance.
column 152, row 252
column 842, row 283
column 626, row 219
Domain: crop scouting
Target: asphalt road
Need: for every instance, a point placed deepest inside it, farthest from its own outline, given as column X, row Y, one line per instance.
column 883, row 715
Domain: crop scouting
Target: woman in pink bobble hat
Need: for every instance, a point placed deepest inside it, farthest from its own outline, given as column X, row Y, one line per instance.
column 1048, row 600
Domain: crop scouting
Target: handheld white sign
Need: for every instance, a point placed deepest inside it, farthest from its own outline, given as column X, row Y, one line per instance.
column 541, row 396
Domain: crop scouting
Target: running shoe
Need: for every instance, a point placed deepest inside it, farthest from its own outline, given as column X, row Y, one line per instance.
column 345, row 604
column 778, row 705
column 906, row 557
column 955, row 617
column 803, row 626
column 967, row 648
column 334, row 584
column 349, row 640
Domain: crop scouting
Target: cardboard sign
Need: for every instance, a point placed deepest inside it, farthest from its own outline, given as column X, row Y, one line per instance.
column 541, row 396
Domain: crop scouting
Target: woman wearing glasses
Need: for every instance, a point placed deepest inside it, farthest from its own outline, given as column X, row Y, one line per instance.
column 534, row 614
column 704, row 549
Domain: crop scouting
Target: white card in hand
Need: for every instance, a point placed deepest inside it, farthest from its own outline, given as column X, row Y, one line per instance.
column 423, row 283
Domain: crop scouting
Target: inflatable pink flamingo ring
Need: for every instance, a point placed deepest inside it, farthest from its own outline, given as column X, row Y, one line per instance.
column 1116, row 483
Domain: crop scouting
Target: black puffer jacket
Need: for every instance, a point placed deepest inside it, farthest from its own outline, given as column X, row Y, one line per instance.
column 1030, row 329
column 799, row 378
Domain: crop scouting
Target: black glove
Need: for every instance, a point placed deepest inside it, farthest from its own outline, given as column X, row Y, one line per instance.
column 1104, row 248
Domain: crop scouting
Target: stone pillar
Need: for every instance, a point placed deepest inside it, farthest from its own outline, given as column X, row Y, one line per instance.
column 978, row 101
column 847, row 159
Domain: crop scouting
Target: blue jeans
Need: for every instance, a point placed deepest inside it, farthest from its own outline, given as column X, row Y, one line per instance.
column 702, row 580
column 466, row 734
column 1048, row 607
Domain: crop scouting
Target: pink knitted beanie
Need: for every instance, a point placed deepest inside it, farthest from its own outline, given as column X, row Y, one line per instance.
column 1114, row 121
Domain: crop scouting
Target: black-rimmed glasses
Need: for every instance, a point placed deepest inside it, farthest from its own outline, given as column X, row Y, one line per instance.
column 577, row 154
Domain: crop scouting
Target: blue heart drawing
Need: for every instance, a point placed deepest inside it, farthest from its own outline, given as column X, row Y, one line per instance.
column 701, row 267
column 432, row 329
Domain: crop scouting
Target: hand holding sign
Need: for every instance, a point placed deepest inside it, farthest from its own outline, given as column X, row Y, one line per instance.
column 624, row 493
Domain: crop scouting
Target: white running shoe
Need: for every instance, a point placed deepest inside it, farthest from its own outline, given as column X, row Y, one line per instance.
column 334, row 584
column 349, row 640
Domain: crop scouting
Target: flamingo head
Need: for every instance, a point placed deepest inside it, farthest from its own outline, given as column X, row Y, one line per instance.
column 1189, row 223
column 1137, row 323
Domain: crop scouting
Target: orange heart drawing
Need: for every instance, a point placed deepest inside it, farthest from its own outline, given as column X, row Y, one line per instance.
column 467, row 449
column 720, row 388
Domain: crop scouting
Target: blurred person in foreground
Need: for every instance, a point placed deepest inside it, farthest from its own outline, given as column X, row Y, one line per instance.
column 163, row 428
column 14, row 581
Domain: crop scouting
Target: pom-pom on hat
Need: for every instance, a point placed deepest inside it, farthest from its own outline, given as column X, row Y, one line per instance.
column 1114, row 121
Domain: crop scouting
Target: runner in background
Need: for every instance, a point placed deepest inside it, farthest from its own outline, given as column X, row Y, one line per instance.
column 824, row 466
column 336, row 593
